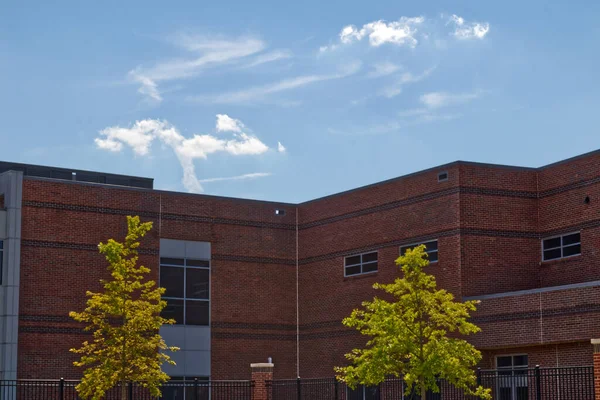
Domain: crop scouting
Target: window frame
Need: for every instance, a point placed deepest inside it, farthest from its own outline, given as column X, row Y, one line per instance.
column 413, row 245
column 185, row 299
column 1, row 261
column 515, row 381
column 361, row 264
column 561, row 247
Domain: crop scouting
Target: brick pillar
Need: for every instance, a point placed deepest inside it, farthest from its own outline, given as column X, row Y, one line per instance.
column 596, row 344
column 261, row 374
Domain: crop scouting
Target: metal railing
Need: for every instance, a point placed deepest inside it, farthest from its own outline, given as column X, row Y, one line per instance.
column 61, row 389
column 568, row 383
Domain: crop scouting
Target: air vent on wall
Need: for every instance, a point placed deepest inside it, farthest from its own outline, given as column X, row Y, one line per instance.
column 442, row 176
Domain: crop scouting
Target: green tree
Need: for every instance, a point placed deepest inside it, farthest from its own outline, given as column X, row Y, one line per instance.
column 414, row 337
column 125, row 321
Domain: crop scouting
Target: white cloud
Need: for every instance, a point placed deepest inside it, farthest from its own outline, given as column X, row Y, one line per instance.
column 206, row 52
column 142, row 134
column 258, row 93
column 464, row 30
column 383, row 69
column 269, row 57
column 253, row 175
column 405, row 78
column 445, row 99
column 401, row 32
column 227, row 124
column 281, row 148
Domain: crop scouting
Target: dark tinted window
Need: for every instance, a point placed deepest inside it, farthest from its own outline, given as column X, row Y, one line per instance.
column 572, row 250
column 571, row 239
column 171, row 278
column 431, row 248
column 172, row 261
column 551, row 243
column 196, row 312
column 353, row 260
column 197, row 283
column 173, row 310
column 360, row 264
column 197, row 263
column 370, row 257
column 561, row 246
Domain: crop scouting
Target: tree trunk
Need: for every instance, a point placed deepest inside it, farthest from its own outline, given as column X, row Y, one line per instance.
column 423, row 390
column 123, row 390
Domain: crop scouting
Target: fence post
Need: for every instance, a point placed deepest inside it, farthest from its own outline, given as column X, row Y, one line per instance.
column 130, row 390
column 61, row 389
column 299, row 387
column 262, row 375
column 596, row 344
column 335, row 388
column 478, row 376
column 538, row 383
column 196, row 394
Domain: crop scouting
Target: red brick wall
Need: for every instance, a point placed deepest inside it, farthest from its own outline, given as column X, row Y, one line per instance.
column 253, row 298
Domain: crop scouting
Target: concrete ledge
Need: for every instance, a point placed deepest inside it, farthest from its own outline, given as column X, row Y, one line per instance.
column 595, row 341
column 262, row 365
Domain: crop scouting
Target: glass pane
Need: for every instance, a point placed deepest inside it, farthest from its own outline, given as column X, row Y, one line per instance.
column 370, row 267
column 173, row 310
column 521, row 361
column 356, row 394
column 572, row 250
column 551, row 243
column 431, row 245
column 172, row 261
column 1, row 244
column 433, row 256
column 403, row 249
column 503, row 362
column 372, row 393
column 196, row 282
column 552, row 254
column 196, row 312
column 369, row 257
column 197, row 263
column 171, row 278
column 352, row 260
column 570, row 239
column 353, row 270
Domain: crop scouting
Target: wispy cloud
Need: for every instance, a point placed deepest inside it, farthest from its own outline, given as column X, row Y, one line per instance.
column 275, row 55
column 445, row 99
column 202, row 52
column 472, row 30
column 253, row 175
column 140, row 136
column 394, row 89
column 383, row 69
column 281, row 148
column 258, row 93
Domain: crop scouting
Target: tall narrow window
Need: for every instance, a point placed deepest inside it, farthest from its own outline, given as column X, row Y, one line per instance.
column 512, row 377
column 431, row 248
column 1, row 259
column 561, row 246
column 187, row 290
column 360, row 264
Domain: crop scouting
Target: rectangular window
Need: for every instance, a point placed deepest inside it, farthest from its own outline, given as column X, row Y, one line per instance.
column 187, row 290
column 431, row 248
column 1, row 259
column 512, row 377
column 363, row 392
column 561, row 246
column 360, row 264
column 183, row 388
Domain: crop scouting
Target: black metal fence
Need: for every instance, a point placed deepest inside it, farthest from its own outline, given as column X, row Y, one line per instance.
column 172, row 390
column 571, row 383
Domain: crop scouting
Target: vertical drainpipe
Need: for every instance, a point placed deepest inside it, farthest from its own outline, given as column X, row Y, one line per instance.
column 297, row 303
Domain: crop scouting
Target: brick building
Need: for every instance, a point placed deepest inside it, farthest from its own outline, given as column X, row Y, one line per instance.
column 250, row 279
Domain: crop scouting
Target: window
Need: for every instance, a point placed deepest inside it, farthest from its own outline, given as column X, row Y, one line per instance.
column 187, row 290
column 360, row 264
column 181, row 388
column 431, row 248
column 561, row 246
column 512, row 377
column 443, row 176
column 363, row 392
column 1, row 259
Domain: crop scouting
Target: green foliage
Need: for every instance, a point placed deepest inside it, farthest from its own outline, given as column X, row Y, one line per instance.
column 416, row 336
column 125, row 321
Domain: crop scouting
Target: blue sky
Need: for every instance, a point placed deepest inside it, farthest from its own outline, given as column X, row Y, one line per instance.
column 296, row 100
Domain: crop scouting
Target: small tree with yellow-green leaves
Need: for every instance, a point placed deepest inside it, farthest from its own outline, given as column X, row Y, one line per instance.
column 409, row 338
column 125, row 321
